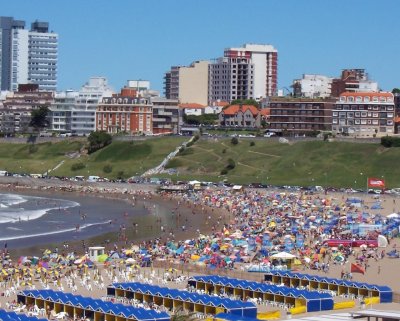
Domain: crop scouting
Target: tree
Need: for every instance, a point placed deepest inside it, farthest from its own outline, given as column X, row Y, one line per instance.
column 245, row 102
column 396, row 91
column 98, row 140
column 39, row 118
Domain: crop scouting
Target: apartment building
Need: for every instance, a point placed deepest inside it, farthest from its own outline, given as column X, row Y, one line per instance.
column 248, row 72
column 27, row 56
column 300, row 115
column 353, row 80
column 125, row 112
column 167, row 116
column 312, row 86
column 75, row 111
column 364, row 114
column 188, row 84
column 15, row 114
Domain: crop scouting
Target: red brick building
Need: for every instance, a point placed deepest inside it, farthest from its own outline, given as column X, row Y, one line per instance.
column 125, row 112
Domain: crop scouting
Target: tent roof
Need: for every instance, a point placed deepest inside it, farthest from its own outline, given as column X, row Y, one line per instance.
column 96, row 305
column 185, row 295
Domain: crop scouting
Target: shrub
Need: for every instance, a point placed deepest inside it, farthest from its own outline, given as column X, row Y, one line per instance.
column 120, row 175
column 77, row 166
column 231, row 164
column 107, row 168
column 234, row 141
column 390, row 141
column 224, row 171
column 252, row 143
column 224, row 151
column 98, row 140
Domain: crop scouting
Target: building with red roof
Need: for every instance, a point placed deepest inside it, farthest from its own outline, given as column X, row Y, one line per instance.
column 247, row 116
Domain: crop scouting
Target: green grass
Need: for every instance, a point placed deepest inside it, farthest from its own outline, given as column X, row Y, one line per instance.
column 38, row 158
column 131, row 158
column 302, row 163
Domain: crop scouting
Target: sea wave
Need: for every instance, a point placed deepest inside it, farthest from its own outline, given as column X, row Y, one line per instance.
column 72, row 229
column 12, row 213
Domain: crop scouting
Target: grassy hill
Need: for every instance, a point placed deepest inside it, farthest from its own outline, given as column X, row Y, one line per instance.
column 301, row 163
column 131, row 158
column 268, row 161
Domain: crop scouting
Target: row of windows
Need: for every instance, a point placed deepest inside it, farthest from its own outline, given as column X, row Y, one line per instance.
column 362, row 114
column 351, row 122
column 364, row 107
column 366, row 99
column 297, row 106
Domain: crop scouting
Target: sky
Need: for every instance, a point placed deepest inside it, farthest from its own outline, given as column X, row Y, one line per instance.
column 131, row 39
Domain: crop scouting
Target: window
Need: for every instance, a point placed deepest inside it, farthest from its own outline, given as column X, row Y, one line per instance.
column 358, row 99
column 350, row 99
column 357, row 114
column 375, row 99
column 366, row 99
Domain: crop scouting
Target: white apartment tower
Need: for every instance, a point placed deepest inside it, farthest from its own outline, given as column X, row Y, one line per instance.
column 248, row 72
column 27, row 56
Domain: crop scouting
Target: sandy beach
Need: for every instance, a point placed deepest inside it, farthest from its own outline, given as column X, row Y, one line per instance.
column 171, row 217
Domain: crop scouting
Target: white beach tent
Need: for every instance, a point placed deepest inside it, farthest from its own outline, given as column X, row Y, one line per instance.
column 283, row 256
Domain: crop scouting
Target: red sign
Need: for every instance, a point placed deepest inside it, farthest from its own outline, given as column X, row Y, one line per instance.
column 376, row 182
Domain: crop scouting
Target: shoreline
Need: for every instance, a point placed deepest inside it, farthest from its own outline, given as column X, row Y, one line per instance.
column 148, row 224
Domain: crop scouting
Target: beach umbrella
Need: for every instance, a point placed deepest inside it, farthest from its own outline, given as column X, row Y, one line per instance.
column 102, row 258
column 283, row 255
column 130, row 260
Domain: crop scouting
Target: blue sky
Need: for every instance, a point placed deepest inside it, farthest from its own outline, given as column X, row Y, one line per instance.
column 130, row 39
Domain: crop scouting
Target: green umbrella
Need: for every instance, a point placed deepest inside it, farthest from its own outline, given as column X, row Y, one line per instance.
column 102, row 258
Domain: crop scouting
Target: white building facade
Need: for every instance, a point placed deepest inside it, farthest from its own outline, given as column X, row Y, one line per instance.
column 313, row 86
column 75, row 111
column 364, row 114
column 27, row 56
column 43, row 56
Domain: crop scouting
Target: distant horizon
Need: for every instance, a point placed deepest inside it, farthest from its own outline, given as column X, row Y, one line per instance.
column 133, row 40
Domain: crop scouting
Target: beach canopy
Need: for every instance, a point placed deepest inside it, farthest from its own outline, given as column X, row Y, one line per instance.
column 283, row 256
column 385, row 293
column 95, row 305
column 233, row 306
column 12, row 316
column 315, row 301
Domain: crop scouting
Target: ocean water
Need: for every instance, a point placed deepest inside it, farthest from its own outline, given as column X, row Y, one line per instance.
column 27, row 219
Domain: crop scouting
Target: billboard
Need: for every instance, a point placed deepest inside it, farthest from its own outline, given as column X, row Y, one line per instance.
column 376, row 182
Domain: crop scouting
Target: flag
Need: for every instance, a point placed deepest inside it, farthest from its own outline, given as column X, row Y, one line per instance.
column 355, row 268
column 376, row 182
